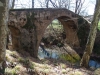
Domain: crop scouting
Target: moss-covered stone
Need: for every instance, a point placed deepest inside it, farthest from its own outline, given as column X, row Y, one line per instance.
column 31, row 29
column 71, row 58
column 30, row 21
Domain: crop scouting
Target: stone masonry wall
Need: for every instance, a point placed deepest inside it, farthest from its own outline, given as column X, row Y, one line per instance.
column 27, row 27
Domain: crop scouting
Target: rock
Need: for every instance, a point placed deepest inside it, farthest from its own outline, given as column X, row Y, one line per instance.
column 97, row 71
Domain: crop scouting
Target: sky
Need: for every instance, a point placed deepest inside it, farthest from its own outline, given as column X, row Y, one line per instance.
column 89, row 5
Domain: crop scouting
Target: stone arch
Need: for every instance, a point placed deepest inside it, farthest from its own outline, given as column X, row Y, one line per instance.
column 37, row 20
column 69, row 26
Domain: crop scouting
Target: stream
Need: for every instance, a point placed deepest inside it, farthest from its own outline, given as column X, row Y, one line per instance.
column 55, row 55
column 44, row 54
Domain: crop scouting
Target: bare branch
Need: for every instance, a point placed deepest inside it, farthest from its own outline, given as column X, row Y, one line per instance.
column 13, row 4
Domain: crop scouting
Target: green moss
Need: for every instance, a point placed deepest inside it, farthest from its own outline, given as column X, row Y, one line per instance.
column 99, row 26
column 30, row 21
column 26, row 62
column 70, row 58
column 30, row 25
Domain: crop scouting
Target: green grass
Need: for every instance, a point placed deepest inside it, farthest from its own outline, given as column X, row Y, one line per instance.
column 55, row 21
column 99, row 25
column 55, row 24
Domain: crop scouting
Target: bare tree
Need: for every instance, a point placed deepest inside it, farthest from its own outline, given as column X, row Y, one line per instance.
column 3, row 33
column 32, row 3
column 47, row 3
column 92, row 36
column 42, row 4
column 13, row 4
column 21, row 4
column 61, row 3
column 78, row 5
column 55, row 3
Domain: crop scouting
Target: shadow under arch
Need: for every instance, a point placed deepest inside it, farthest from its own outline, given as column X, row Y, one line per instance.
column 70, row 29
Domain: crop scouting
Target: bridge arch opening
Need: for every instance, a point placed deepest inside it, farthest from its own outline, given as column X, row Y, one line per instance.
column 54, row 34
column 65, row 27
column 59, row 32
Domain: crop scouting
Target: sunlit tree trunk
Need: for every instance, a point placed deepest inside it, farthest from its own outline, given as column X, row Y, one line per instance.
column 3, row 33
column 92, row 36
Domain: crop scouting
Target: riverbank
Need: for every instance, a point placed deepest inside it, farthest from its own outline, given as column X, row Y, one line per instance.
column 21, row 63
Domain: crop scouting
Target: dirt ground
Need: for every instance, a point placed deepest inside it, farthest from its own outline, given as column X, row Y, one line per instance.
column 23, row 64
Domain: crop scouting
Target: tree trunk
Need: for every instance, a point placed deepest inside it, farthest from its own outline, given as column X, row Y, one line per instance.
column 3, row 33
column 13, row 4
column 47, row 3
column 32, row 3
column 92, row 36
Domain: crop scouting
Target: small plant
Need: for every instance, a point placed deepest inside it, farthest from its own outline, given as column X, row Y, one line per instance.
column 9, row 71
column 63, row 66
column 46, row 71
column 13, row 54
column 24, row 61
column 64, row 71
column 17, row 68
column 46, row 67
column 31, row 65
column 99, row 26
column 14, row 72
column 7, row 58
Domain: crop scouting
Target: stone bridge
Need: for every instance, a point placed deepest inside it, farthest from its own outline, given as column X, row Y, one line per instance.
column 27, row 27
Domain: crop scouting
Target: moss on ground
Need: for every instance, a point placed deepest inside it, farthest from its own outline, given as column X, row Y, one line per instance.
column 71, row 58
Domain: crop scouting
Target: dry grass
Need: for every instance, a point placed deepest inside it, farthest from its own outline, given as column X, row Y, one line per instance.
column 30, row 66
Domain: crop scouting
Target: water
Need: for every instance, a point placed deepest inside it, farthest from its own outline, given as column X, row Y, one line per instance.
column 93, row 63
column 44, row 54
column 55, row 55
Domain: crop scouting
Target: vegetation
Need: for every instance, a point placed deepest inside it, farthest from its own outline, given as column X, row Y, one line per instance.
column 69, row 58
column 92, row 35
column 21, row 63
column 54, row 34
column 39, row 67
column 99, row 25
column 56, row 25
column 3, row 33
